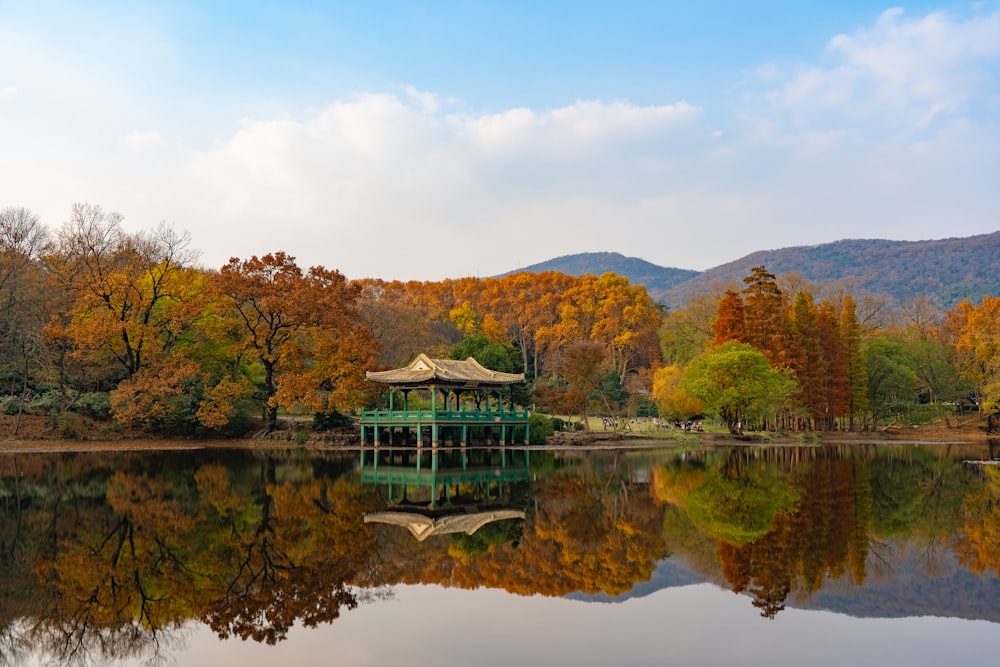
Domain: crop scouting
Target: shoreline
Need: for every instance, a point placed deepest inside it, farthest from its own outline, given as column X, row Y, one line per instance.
column 575, row 441
column 39, row 437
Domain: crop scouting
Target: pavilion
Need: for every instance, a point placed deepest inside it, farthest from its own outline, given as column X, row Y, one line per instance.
column 466, row 400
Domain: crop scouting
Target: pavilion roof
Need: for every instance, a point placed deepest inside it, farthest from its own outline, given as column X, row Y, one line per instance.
column 424, row 370
column 422, row 526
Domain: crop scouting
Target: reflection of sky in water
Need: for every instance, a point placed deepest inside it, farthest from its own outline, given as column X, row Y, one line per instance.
column 691, row 625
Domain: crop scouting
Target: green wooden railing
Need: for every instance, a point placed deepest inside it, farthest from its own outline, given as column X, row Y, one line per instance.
column 456, row 416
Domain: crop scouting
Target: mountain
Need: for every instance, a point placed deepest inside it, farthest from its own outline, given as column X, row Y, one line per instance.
column 946, row 270
column 638, row 271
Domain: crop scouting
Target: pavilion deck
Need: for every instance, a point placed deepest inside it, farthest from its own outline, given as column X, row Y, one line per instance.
column 455, row 425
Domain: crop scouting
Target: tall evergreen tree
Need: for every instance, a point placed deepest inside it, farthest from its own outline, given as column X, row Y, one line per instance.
column 806, row 356
column 854, row 360
column 838, row 388
column 730, row 319
column 764, row 306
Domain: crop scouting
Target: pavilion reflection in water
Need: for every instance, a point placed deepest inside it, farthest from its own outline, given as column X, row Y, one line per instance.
column 436, row 491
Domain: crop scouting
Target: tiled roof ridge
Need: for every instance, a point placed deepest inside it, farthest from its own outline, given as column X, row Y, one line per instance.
column 424, row 369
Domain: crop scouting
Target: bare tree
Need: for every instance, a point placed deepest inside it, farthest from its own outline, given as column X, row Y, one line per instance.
column 23, row 240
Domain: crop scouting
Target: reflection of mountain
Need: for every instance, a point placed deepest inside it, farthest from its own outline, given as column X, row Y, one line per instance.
column 669, row 573
column 952, row 592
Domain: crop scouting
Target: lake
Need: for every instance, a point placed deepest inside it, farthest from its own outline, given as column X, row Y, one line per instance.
column 865, row 554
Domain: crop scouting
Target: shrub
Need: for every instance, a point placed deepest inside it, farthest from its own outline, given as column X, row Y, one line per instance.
column 69, row 425
column 324, row 421
column 10, row 404
column 47, row 403
column 94, row 404
column 541, row 428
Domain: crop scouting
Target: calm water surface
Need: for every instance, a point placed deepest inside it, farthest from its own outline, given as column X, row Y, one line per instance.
column 826, row 555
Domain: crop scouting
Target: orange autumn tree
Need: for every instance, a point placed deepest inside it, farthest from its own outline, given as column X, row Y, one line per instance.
column 526, row 303
column 977, row 341
column 837, row 382
column 610, row 311
column 400, row 328
column 730, row 321
column 193, row 387
column 302, row 328
column 819, row 344
column 807, row 358
column 856, row 373
column 766, row 320
column 129, row 302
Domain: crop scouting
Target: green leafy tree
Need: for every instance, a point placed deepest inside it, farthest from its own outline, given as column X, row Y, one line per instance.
column 503, row 357
column 736, row 382
column 495, row 356
column 892, row 381
column 737, row 504
column 685, row 332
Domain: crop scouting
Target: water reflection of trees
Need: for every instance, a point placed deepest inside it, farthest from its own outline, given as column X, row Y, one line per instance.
column 777, row 523
column 110, row 558
column 247, row 546
column 589, row 527
column 978, row 540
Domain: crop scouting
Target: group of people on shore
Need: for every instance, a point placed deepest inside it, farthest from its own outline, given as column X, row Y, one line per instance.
column 690, row 425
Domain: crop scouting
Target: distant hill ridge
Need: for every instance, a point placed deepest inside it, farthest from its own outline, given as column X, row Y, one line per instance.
column 638, row 271
column 946, row 270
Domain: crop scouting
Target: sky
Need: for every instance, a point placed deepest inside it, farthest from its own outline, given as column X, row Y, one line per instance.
column 430, row 140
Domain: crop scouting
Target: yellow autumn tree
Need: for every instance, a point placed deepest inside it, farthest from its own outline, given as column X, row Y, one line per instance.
column 976, row 330
column 673, row 401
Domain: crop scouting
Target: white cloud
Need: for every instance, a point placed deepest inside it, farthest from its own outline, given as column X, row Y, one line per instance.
column 884, row 135
column 909, row 70
column 577, row 127
column 381, row 173
column 143, row 142
column 8, row 91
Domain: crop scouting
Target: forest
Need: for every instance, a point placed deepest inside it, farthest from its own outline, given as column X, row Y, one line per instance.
column 126, row 330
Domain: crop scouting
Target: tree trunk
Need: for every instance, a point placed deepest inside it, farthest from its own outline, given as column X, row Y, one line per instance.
column 270, row 411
